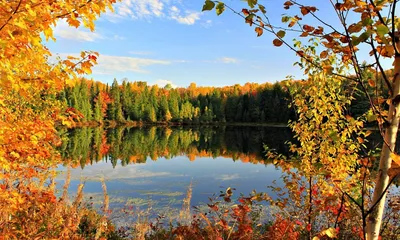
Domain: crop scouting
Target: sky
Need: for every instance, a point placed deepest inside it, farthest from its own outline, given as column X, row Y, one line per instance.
column 172, row 41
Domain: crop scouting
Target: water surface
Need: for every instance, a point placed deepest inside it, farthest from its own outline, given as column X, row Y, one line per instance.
column 153, row 167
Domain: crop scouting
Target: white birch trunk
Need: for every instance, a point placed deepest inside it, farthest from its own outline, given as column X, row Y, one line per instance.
column 374, row 220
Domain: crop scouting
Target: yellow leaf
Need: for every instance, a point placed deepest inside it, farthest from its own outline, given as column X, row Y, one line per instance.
column 87, row 70
column 14, row 154
column 48, row 33
column 31, row 12
column 330, row 232
column 395, row 158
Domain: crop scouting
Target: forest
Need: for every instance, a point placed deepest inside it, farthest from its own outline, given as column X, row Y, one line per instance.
column 138, row 103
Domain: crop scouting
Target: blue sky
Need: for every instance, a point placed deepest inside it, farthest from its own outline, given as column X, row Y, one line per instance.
column 172, row 41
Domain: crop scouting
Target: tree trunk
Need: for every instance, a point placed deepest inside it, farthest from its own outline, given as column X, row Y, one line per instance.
column 374, row 220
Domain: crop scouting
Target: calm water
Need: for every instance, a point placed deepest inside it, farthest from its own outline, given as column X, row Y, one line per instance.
column 154, row 166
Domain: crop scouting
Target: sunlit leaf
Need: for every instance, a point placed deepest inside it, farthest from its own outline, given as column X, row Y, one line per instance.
column 330, row 232
column 220, row 8
column 259, row 31
column 323, row 54
column 381, row 30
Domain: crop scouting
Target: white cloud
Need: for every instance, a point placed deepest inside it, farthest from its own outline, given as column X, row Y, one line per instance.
column 228, row 60
column 207, row 23
column 139, row 9
column 188, row 19
column 106, row 170
column 111, row 64
column 124, row 10
column 175, row 9
column 118, row 37
column 63, row 30
column 228, row 177
column 107, row 64
column 147, row 9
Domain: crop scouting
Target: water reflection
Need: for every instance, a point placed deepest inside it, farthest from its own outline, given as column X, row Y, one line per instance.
column 154, row 166
column 86, row 146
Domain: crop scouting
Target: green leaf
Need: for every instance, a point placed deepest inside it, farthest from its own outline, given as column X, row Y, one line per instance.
column 262, row 8
column 252, row 3
column 208, row 5
column 285, row 19
column 371, row 116
column 334, row 136
column 281, row 34
column 297, row 44
column 381, row 30
column 367, row 22
column 220, row 8
column 355, row 41
column 364, row 36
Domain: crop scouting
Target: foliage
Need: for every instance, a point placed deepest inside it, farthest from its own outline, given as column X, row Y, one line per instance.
column 332, row 49
column 29, row 110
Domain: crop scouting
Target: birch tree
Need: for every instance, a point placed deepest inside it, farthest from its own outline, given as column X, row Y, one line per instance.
column 333, row 47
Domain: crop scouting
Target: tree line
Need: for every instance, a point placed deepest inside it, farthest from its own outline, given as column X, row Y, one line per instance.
column 138, row 101
column 131, row 102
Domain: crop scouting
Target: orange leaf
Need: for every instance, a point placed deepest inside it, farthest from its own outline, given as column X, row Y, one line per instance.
column 324, row 54
column 277, row 42
column 308, row 28
column 371, row 82
column 394, row 170
column 287, row 4
column 354, row 28
column 304, row 10
column 304, row 34
column 259, row 31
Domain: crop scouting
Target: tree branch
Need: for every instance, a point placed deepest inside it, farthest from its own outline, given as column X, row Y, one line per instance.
column 11, row 16
column 287, row 44
column 68, row 13
column 319, row 19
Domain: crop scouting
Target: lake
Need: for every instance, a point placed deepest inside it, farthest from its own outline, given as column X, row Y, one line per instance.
column 152, row 167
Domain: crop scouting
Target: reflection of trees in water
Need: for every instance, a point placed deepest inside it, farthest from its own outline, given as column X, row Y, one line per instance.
column 85, row 146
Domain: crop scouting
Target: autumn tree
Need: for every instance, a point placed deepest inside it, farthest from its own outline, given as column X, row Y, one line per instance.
column 333, row 48
column 115, row 109
column 29, row 111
